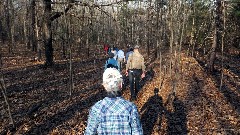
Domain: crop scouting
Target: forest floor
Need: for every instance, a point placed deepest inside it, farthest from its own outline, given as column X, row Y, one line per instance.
column 41, row 103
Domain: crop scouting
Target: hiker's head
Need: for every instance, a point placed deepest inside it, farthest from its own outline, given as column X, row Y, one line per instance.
column 111, row 55
column 112, row 80
column 136, row 47
column 131, row 49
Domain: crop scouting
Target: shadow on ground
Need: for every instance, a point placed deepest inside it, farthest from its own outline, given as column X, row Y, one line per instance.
column 152, row 113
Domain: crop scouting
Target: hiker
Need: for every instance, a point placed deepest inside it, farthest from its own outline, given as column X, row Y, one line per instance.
column 130, row 51
column 120, row 58
column 113, row 115
column 111, row 62
column 114, row 51
column 135, row 69
column 106, row 48
column 109, row 49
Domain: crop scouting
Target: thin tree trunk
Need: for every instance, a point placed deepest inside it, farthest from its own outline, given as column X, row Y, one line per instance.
column 25, row 31
column 1, row 22
column 39, row 49
column 3, row 90
column 87, row 44
column 213, row 52
column 7, row 16
column 158, row 33
column 34, row 24
column 10, row 22
column 171, row 37
column 160, row 71
column 217, row 36
column 148, row 31
column 12, row 37
column 70, row 57
column 222, row 41
column 193, row 32
column 181, row 37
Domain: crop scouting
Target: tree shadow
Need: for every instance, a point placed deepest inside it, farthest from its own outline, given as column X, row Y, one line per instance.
column 148, row 77
column 48, row 86
column 225, row 124
column 66, row 114
column 152, row 113
column 229, row 94
column 177, row 118
column 203, row 100
column 55, row 77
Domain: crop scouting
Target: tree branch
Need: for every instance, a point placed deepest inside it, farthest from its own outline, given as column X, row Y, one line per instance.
column 58, row 14
column 71, row 3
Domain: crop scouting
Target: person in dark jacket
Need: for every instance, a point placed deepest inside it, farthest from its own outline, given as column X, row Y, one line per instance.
column 130, row 51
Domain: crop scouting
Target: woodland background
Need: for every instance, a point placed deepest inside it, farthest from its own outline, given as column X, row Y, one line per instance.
column 52, row 60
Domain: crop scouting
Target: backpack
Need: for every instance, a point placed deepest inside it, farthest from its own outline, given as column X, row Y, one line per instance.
column 111, row 65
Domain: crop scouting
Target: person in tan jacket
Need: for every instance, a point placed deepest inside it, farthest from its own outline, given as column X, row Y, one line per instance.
column 135, row 69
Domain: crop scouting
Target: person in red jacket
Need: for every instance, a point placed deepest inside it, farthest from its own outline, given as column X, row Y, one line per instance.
column 106, row 49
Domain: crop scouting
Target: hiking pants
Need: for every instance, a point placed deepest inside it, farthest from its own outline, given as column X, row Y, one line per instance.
column 120, row 62
column 134, row 79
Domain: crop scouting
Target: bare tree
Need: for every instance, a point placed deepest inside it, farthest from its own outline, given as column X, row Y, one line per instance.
column 217, row 35
column 47, row 32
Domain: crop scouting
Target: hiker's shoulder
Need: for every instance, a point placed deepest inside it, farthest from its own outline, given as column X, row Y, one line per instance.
column 112, row 60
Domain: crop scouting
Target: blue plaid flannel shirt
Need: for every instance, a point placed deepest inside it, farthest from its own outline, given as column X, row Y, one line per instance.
column 114, row 116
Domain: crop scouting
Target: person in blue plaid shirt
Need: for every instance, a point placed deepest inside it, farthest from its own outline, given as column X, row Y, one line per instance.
column 113, row 115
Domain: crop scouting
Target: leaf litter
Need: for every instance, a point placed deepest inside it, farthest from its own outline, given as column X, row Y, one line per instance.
column 41, row 104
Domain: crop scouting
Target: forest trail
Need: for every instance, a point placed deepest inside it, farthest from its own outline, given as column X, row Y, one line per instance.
column 52, row 60
column 41, row 104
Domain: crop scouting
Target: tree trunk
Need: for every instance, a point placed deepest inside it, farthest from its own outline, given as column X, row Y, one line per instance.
column 192, row 33
column 70, row 30
column 217, row 36
column 148, row 31
column 25, row 31
column 10, row 24
column 1, row 21
column 171, row 36
column 213, row 53
column 39, row 49
column 158, row 33
column 47, row 33
column 34, row 28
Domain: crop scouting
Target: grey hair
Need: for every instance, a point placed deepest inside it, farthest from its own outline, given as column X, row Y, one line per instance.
column 112, row 80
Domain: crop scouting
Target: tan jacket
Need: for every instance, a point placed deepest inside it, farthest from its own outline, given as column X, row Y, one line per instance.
column 135, row 61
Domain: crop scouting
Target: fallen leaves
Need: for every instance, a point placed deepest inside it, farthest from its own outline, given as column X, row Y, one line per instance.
column 197, row 107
